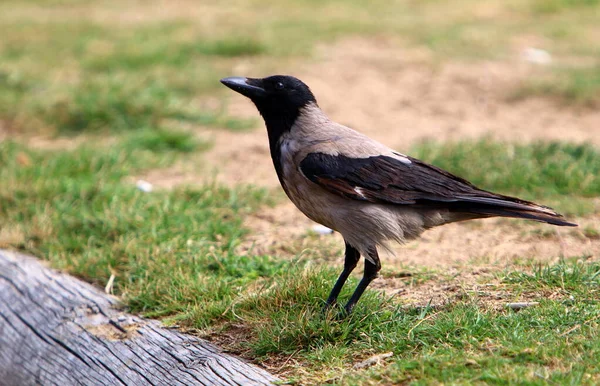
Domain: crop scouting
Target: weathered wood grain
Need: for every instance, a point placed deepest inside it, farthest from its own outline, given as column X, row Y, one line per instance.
column 58, row 330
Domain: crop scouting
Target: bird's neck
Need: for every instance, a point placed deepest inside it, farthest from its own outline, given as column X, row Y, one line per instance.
column 281, row 122
column 276, row 129
column 278, row 121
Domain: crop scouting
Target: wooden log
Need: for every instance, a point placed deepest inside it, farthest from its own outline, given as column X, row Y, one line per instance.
column 58, row 330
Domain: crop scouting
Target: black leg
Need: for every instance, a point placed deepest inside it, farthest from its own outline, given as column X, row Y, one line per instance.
column 350, row 261
column 371, row 270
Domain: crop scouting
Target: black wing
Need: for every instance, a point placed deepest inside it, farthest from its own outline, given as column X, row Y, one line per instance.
column 385, row 179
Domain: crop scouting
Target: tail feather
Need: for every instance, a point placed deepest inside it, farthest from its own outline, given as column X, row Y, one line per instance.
column 505, row 206
column 515, row 213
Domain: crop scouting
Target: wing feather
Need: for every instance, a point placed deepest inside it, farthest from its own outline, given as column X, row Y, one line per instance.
column 385, row 179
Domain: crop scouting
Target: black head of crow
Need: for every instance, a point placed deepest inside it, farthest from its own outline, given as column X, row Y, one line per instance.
column 278, row 98
column 359, row 187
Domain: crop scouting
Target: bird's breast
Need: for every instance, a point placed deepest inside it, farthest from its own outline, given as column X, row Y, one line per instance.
column 307, row 196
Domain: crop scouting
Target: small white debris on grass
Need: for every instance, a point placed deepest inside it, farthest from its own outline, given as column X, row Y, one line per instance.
column 520, row 305
column 108, row 289
column 374, row 360
column 144, row 186
column 536, row 56
column 322, row 230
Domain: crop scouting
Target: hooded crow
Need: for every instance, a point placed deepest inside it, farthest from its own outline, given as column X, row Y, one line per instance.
column 359, row 187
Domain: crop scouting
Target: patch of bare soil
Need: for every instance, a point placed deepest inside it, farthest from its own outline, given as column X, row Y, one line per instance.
column 399, row 98
column 481, row 284
column 60, row 143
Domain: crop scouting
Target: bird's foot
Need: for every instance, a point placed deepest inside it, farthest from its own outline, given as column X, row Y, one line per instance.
column 328, row 307
column 334, row 311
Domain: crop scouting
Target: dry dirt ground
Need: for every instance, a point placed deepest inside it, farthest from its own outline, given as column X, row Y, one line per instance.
column 399, row 97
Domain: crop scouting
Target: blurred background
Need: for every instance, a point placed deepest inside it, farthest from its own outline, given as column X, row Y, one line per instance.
column 122, row 155
column 83, row 67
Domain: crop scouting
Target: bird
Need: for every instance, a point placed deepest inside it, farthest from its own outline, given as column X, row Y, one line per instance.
column 369, row 193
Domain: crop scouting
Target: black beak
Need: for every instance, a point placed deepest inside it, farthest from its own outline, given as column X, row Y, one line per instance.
column 250, row 87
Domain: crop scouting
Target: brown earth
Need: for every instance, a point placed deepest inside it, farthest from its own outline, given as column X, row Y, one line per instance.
column 400, row 97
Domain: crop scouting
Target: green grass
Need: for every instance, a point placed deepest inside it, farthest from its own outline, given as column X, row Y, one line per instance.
column 466, row 341
column 573, row 277
column 76, row 209
column 163, row 140
column 79, row 76
column 554, row 6
column 591, row 233
column 114, row 105
column 571, row 86
column 560, row 174
column 174, row 256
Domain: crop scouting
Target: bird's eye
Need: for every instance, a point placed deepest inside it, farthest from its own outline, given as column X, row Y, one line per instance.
column 279, row 86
